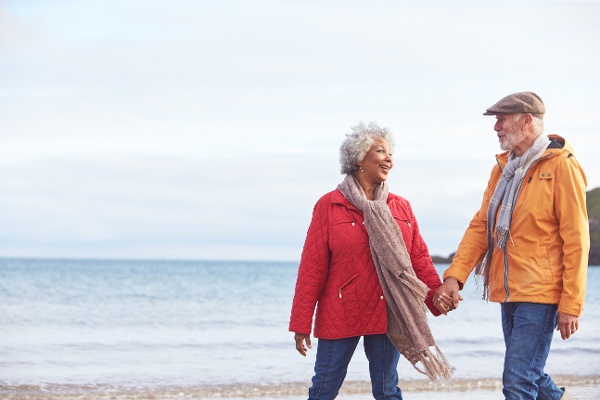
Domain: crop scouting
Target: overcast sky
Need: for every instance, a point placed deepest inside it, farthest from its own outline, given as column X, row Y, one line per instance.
column 208, row 129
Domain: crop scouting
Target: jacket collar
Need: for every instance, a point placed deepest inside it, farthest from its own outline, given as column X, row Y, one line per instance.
column 556, row 142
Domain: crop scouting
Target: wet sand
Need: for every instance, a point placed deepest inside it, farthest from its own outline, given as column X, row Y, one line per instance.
column 579, row 387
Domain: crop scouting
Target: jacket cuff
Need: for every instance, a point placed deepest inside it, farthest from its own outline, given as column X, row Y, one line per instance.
column 429, row 303
column 568, row 306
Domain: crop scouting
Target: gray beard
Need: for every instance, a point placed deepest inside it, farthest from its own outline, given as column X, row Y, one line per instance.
column 512, row 140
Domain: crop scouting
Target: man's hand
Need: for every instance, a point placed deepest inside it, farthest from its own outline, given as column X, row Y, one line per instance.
column 567, row 325
column 302, row 338
column 446, row 297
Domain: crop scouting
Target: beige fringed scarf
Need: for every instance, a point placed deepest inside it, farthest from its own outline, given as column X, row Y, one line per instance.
column 404, row 292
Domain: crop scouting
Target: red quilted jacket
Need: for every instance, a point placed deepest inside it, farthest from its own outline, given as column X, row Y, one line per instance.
column 337, row 274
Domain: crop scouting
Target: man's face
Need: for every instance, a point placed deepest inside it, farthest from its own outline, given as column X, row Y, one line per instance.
column 510, row 132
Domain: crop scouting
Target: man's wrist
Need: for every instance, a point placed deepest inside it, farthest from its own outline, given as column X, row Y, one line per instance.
column 450, row 280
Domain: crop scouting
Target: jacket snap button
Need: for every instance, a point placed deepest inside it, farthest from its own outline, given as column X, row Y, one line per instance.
column 381, row 297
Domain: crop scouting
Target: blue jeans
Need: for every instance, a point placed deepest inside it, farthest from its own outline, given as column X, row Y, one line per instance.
column 333, row 357
column 528, row 330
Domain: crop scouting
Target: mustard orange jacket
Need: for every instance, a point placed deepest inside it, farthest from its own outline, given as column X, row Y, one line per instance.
column 547, row 250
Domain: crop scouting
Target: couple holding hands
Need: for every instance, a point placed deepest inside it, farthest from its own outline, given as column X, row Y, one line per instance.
column 367, row 270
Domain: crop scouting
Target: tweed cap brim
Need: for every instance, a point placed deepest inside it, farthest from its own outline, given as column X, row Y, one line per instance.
column 519, row 103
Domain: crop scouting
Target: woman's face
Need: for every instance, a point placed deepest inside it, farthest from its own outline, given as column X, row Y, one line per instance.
column 376, row 165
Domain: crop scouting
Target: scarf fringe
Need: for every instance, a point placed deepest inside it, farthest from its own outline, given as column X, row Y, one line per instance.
column 501, row 237
column 435, row 365
column 486, row 288
column 482, row 275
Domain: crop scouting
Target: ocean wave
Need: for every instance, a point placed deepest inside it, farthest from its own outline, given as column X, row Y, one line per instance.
column 248, row 390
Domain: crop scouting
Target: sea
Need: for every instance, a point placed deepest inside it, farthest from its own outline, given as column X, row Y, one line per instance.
column 158, row 329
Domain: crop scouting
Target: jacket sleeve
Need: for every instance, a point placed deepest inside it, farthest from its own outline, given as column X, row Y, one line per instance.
column 570, row 209
column 312, row 273
column 473, row 244
column 422, row 263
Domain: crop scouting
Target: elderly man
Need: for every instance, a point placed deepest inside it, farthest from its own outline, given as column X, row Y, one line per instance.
column 529, row 245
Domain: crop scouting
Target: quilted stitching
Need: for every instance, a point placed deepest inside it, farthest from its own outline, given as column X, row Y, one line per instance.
column 337, row 274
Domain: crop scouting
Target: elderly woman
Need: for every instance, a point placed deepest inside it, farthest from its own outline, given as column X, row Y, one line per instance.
column 368, row 271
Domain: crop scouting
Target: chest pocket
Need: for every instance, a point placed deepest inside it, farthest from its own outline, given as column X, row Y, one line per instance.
column 546, row 175
column 348, row 233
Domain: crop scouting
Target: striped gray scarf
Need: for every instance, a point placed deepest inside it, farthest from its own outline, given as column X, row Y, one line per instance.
column 504, row 198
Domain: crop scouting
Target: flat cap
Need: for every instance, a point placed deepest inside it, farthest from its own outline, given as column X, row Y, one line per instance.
column 519, row 103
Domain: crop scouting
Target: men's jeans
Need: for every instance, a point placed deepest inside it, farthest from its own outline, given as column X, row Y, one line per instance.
column 333, row 357
column 528, row 330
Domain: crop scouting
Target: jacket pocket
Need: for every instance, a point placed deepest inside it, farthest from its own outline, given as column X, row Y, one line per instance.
column 347, row 285
column 349, row 297
column 347, row 233
column 345, row 222
column 543, row 272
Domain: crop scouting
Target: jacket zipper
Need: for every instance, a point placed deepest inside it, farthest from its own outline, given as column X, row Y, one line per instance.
column 346, row 285
column 506, row 290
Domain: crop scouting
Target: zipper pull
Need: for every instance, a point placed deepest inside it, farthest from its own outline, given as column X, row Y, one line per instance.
column 340, row 293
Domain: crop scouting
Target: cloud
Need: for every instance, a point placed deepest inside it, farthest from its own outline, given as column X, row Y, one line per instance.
column 195, row 129
column 157, row 203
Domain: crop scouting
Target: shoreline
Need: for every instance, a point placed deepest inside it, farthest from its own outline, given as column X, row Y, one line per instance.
column 580, row 387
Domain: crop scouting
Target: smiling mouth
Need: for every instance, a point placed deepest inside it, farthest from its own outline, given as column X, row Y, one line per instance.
column 385, row 167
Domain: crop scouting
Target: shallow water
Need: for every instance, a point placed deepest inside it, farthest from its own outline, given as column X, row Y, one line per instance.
column 165, row 329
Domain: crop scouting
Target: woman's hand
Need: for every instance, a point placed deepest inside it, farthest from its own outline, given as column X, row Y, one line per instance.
column 302, row 338
column 446, row 297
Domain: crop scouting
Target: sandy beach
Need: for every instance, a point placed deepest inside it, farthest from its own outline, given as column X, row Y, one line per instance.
column 488, row 390
column 580, row 387
column 587, row 392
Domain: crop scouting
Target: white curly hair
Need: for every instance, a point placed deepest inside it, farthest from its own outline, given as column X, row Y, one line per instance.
column 357, row 144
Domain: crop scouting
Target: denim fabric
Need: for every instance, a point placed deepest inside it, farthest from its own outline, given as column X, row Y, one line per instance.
column 333, row 357
column 528, row 330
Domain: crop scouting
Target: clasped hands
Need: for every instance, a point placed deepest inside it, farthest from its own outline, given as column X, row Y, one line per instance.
column 446, row 297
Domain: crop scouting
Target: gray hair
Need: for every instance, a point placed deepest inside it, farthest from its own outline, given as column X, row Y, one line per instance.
column 538, row 123
column 357, row 144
